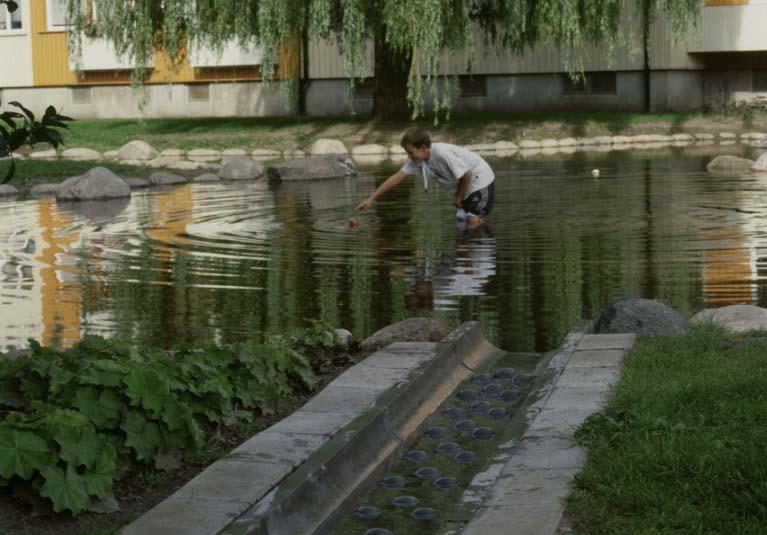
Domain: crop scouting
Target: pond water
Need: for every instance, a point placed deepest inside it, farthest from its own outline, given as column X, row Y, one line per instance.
column 229, row 262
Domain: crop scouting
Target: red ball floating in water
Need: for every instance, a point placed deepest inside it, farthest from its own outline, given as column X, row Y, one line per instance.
column 353, row 223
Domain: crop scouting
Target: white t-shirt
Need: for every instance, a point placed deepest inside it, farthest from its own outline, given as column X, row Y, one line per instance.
column 447, row 164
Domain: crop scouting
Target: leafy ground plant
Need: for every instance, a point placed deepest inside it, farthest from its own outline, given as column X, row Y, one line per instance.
column 680, row 446
column 71, row 419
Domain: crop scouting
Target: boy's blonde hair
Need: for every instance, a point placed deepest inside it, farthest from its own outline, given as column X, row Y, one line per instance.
column 416, row 137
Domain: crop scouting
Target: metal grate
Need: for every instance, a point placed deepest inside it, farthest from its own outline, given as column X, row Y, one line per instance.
column 198, row 93
column 81, row 95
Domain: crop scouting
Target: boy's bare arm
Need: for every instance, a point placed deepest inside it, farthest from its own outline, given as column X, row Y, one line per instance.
column 385, row 186
column 463, row 183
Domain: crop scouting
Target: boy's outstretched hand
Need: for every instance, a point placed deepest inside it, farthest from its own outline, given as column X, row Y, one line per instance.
column 364, row 205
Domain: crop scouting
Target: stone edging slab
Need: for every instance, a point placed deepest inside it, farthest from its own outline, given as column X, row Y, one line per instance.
column 527, row 492
column 293, row 476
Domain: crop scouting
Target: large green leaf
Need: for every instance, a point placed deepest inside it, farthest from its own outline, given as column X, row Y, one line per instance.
column 21, row 453
column 104, row 409
column 10, row 393
column 146, row 388
column 98, row 482
column 79, row 446
column 67, row 490
column 103, row 372
column 142, row 435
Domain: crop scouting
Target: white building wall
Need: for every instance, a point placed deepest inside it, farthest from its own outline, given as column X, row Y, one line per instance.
column 16, row 57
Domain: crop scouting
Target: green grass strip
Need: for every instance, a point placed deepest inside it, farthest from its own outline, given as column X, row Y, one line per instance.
column 680, row 448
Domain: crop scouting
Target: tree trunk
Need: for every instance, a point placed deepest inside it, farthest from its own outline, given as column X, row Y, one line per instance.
column 390, row 90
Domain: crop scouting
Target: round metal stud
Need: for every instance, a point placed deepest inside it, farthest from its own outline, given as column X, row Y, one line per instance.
column 522, row 380
column 453, row 413
column 393, row 482
column 424, row 513
column 498, row 414
column 465, row 426
column 468, row 395
column 416, row 456
column 427, row 472
column 367, row 512
column 481, row 407
column 446, row 482
column 448, row 448
column 483, row 433
column 482, row 378
column 503, row 373
column 405, row 501
column 510, row 396
column 492, row 390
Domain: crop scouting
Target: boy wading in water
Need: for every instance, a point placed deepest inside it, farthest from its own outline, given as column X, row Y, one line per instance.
column 456, row 169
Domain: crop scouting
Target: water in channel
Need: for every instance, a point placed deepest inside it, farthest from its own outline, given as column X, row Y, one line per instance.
column 232, row 261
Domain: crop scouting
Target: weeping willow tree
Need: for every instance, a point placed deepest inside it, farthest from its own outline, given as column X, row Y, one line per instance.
column 409, row 36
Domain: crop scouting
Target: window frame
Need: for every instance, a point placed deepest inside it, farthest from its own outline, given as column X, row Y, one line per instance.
column 15, row 31
column 50, row 27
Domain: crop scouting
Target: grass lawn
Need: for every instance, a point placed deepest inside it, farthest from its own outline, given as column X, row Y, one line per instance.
column 296, row 132
column 680, row 448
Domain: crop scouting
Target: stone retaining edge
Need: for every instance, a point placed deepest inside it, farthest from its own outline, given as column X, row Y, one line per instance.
column 312, row 498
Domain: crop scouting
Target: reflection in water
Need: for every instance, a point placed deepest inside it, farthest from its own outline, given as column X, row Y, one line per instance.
column 232, row 261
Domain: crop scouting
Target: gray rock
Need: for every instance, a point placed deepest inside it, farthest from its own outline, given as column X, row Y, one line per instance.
column 137, row 150
column 738, row 318
column 265, row 154
column 328, row 146
column 203, row 155
column 137, row 182
column 111, row 154
column 173, row 153
column 313, row 168
column 641, row 316
column 207, row 177
column 240, row 168
column 98, row 212
column 409, row 330
column 47, row 154
column 81, row 154
column 41, row 190
column 761, row 163
column 162, row 178
column 98, row 183
column 7, row 190
column 729, row 164
column 183, row 165
column 162, row 161
column 345, row 338
column 234, row 152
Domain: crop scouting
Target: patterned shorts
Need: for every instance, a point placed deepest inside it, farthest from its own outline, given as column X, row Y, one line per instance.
column 480, row 202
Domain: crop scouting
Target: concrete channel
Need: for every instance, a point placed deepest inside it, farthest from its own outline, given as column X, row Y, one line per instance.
column 307, row 472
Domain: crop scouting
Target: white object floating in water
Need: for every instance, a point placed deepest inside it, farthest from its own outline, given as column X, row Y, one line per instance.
column 595, row 173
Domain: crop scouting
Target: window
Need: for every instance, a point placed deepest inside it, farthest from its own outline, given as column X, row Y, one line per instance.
column 198, row 93
column 473, row 86
column 56, row 13
column 578, row 86
column 591, row 83
column 81, row 95
column 10, row 22
column 760, row 81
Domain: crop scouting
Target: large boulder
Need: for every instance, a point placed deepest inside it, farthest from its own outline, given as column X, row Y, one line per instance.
column 313, row 168
column 409, row 330
column 240, row 168
column 98, row 183
column 81, row 154
column 137, row 150
column 729, row 164
column 328, row 146
column 97, row 212
column 8, row 191
column 43, row 190
column 641, row 316
column 163, row 178
column 738, row 318
column 761, row 163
